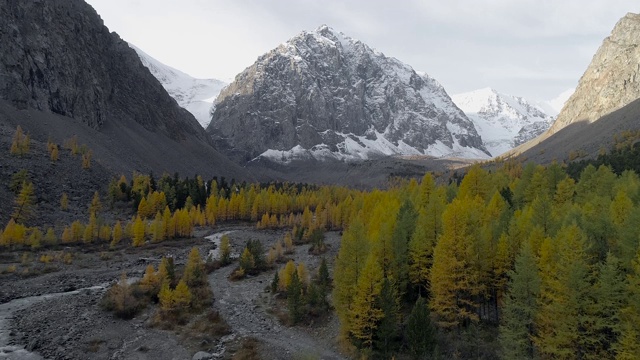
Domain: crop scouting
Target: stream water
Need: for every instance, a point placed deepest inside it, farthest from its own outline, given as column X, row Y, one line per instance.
column 7, row 310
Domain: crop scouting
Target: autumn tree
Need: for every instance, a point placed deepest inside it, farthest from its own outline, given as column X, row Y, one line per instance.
column 150, row 282
column 563, row 321
column 54, row 152
column 423, row 240
column 120, row 299
column 64, row 201
column 20, row 143
column 351, row 259
column 138, row 237
column 116, row 235
column 194, row 274
column 454, row 279
column 181, row 296
column 225, row 250
column 24, row 203
column 365, row 313
column 96, row 206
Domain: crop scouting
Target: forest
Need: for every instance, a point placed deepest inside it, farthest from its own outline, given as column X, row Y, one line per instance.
column 511, row 260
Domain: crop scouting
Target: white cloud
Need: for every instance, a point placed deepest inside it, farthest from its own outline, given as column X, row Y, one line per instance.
column 533, row 48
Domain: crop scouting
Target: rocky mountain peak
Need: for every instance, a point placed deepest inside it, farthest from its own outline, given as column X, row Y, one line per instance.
column 611, row 81
column 324, row 95
column 503, row 121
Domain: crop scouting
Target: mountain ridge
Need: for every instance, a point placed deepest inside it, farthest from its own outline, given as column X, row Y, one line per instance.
column 325, row 95
column 62, row 66
column 610, row 82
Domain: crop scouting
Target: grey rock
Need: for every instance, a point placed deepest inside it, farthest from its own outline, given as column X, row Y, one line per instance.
column 201, row 355
column 322, row 89
column 58, row 56
column 611, row 81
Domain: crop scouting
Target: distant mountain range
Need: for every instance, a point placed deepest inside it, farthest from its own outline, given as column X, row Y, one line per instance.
column 503, row 121
column 194, row 95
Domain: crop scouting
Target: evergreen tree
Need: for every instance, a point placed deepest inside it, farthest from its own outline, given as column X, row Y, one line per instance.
column 420, row 332
column 387, row 330
column 405, row 225
column 275, row 282
column 628, row 345
column 520, row 308
column 324, row 279
column 610, row 297
column 294, row 298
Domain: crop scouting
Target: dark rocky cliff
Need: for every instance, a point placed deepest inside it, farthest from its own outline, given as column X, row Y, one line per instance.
column 58, row 56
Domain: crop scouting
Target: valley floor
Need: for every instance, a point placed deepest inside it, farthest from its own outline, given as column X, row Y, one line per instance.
column 55, row 312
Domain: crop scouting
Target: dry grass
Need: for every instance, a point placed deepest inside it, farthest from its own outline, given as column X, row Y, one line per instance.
column 204, row 330
column 248, row 350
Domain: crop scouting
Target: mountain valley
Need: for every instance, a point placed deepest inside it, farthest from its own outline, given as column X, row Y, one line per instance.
column 330, row 202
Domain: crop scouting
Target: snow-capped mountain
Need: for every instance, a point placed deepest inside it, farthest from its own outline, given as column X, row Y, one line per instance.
column 194, row 95
column 325, row 95
column 503, row 121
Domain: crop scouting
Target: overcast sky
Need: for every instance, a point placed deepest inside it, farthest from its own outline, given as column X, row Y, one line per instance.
column 531, row 48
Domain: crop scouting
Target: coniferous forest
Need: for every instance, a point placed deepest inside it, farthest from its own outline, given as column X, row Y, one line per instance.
column 509, row 260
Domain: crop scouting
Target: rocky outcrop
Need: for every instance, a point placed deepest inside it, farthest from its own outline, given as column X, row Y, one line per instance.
column 58, row 56
column 611, row 81
column 328, row 95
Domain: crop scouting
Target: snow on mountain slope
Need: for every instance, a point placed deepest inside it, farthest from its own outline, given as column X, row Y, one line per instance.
column 503, row 121
column 194, row 95
column 323, row 94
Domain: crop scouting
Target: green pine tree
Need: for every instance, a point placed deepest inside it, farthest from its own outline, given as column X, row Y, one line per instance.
column 520, row 308
column 420, row 332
